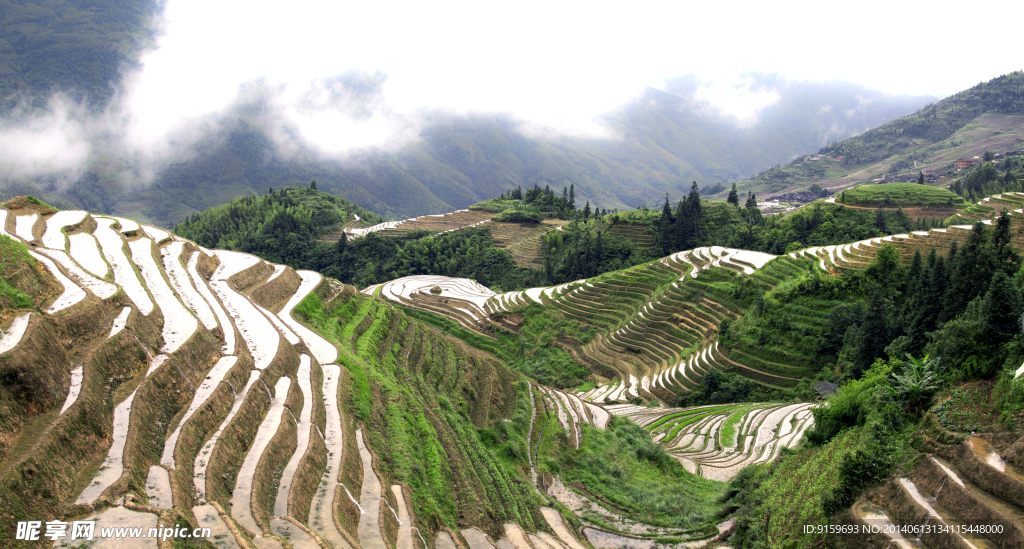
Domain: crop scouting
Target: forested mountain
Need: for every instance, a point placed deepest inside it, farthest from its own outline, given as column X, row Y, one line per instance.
column 79, row 48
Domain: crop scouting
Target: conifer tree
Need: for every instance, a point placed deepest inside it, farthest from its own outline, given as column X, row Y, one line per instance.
column 312, row 184
column 734, row 196
column 1001, row 309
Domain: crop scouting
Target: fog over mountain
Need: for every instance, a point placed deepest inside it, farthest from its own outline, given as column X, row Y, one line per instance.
column 118, row 107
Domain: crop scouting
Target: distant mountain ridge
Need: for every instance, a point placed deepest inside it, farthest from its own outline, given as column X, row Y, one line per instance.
column 667, row 138
column 667, row 142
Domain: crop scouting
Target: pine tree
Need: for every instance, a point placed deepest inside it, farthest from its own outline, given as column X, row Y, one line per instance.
column 666, row 224
column 312, row 184
column 1000, row 311
column 697, row 222
column 734, row 196
column 920, row 178
column 880, row 221
column 572, row 196
column 586, row 212
column 751, row 201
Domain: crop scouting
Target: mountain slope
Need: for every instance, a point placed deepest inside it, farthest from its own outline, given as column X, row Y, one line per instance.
column 987, row 117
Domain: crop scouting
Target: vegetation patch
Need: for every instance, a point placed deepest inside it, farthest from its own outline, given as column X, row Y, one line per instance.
column 906, row 195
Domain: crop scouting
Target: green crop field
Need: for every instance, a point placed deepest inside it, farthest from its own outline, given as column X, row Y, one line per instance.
column 900, row 195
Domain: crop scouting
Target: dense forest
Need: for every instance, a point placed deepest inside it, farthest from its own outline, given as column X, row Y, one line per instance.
column 74, row 47
column 285, row 225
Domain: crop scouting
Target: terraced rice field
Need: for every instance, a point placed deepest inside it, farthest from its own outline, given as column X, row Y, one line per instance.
column 637, row 234
column 440, row 223
column 524, row 242
column 715, row 442
column 230, row 419
column 466, row 301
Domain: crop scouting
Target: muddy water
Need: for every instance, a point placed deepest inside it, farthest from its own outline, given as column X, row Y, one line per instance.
column 158, row 488
column 72, row 293
column 127, row 225
column 554, row 520
column 199, row 478
column 258, row 333
column 124, row 273
column 477, row 539
column 941, row 516
column 321, row 518
column 989, row 455
column 405, row 528
column 13, row 334
column 179, row 323
column 220, row 536
column 539, row 543
column 607, row 540
column 116, row 517
column 241, row 498
column 54, row 238
column 101, row 288
column 516, row 536
column 23, row 226
column 179, row 278
column 222, row 317
column 86, row 252
column 280, row 325
column 322, row 350
column 303, row 428
column 120, row 321
column 294, row 535
column 444, row 541
column 75, row 389
column 551, row 541
column 156, row 234
column 369, row 500
column 874, row 516
column 213, row 379
column 113, row 465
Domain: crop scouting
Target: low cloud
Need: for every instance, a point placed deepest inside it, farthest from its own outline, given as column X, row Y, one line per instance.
column 742, row 100
column 53, row 143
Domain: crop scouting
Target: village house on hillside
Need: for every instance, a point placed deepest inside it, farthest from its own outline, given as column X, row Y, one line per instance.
column 965, row 163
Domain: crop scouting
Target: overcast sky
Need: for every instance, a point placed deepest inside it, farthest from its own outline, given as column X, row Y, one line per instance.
column 558, row 65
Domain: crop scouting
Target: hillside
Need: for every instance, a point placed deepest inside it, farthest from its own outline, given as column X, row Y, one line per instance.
column 987, row 117
column 582, row 409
